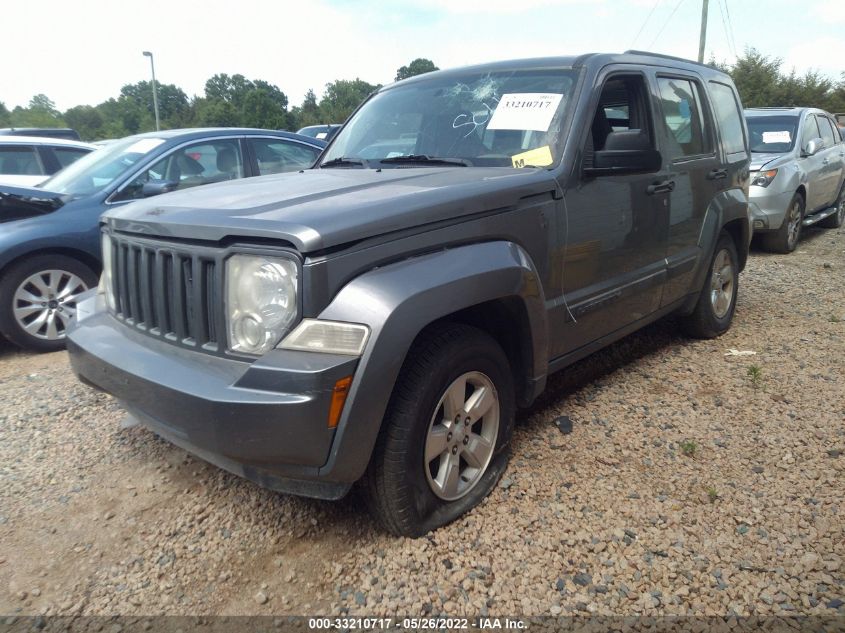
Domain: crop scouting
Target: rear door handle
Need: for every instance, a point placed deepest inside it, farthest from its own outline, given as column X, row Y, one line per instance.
column 717, row 174
column 660, row 187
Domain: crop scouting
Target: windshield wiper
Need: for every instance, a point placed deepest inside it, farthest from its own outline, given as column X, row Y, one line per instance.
column 343, row 161
column 428, row 160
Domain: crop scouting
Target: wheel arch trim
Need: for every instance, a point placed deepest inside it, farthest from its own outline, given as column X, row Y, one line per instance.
column 398, row 302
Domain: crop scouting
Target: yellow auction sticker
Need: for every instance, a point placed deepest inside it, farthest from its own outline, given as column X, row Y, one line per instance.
column 540, row 157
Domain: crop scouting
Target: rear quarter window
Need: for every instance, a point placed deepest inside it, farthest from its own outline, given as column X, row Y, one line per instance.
column 729, row 117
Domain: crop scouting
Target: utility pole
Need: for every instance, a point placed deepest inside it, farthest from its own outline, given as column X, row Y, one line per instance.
column 703, row 37
column 155, row 91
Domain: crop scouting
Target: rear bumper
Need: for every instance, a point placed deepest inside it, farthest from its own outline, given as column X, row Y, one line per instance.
column 264, row 420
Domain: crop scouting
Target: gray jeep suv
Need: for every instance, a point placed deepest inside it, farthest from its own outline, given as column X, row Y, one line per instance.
column 381, row 316
column 797, row 173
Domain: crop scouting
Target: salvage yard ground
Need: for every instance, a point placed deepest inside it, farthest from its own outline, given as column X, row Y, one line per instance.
column 691, row 482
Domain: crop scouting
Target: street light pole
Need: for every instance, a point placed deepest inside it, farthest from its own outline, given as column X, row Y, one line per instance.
column 155, row 91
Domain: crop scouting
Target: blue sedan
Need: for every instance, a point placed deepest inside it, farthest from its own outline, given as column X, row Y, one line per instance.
column 50, row 242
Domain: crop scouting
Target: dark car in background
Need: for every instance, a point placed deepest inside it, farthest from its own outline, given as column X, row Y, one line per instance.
column 323, row 132
column 49, row 132
column 50, row 240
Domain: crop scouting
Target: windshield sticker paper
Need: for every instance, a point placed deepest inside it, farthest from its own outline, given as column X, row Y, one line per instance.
column 525, row 111
column 777, row 137
column 540, row 157
column 143, row 146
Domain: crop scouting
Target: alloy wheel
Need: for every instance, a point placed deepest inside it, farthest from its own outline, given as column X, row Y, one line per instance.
column 722, row 284
column 45, row 302
column 462, row 436
column 794, row 220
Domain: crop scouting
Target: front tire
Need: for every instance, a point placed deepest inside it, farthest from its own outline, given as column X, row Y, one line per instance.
column 714, row 311
column 38, row 300
column 444, row 441
column 785, row 239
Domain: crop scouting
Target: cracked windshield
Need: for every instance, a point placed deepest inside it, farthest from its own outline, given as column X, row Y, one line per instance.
column 504, row 119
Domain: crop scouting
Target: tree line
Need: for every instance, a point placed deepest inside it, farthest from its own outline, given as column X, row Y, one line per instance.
column 235, row 100
column 227, row 101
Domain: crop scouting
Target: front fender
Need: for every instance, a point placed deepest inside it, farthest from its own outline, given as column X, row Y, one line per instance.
column 397, row 302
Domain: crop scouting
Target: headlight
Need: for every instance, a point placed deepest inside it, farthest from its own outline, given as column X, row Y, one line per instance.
column 764, row 178
column 261, row 301
column 106, row 286
column 329, row 337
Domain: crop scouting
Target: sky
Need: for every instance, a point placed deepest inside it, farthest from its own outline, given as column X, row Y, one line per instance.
column 83, row 51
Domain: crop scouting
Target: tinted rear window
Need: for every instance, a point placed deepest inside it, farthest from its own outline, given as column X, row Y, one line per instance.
column 728, row 115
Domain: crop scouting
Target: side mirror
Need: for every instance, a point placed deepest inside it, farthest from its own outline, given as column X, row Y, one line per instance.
column 625, row 152
column 158, row 187
column 813, row 147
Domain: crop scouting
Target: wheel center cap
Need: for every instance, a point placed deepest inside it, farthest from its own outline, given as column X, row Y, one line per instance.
column 52, row 304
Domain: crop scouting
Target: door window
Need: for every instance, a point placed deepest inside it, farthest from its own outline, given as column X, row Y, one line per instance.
column 20, row 160
column 809, row 130
column 622, row 111
column 826, row 131
column 276, row 156
column 198, row 164
column 67, row 155
column 683, row 117
column 728, row 114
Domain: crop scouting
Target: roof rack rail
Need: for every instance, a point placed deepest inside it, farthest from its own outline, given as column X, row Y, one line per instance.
column 674, row 57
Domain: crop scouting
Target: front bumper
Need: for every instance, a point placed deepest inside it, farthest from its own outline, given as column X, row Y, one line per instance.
column 768, row 208
column 264, row 420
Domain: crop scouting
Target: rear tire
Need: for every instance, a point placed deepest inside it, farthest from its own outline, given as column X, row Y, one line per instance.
column 714, row 311
column 786, row 238
column 38, row 300
column 836, row 220
column 429, row 468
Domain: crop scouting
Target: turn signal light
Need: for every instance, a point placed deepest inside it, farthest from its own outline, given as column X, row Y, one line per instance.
column 339, row 393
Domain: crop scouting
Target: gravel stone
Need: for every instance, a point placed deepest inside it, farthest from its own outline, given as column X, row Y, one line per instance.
column 576, row 525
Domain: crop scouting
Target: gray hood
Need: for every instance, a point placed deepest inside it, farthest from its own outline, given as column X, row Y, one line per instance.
column 323, row 208
column 761, row 160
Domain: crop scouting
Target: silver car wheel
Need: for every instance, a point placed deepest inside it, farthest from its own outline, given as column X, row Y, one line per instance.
column 45, row 302
column 722, row 285
column 462, row 436
column 794, row 219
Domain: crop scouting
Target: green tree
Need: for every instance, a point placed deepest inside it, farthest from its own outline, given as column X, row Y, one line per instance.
column 215, row 113
column 342, row 97
column 86, row 120
column 306, row 114
column 5, row 115
column 40, row 112
column 172, row 101
column 229, row 88
column 416, row 67
column 260, row 109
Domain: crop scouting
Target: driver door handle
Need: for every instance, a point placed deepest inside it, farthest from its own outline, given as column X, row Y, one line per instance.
column 717, row 174
column 660, row 187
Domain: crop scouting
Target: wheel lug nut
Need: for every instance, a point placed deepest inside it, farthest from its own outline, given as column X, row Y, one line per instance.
column 466, row 440
column 448, row 437
column 454, row 450
column 466, row 421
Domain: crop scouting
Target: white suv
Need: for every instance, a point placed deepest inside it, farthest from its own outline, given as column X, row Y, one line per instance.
column 25, row 161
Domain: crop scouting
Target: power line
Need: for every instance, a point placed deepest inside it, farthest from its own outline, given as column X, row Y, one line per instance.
column 725, row 28
column 660, row 32
column 647, row 18
column 730, row 24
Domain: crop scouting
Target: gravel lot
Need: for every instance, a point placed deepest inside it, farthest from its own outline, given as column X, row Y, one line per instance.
column 689, row 484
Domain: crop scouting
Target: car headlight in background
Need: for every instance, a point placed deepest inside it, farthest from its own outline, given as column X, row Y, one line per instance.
column 106, row 286
column 329, row 337
column 261, row 300
column 764, row 178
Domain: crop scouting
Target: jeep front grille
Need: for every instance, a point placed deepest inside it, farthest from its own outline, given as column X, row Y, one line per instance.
column 169, row 292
